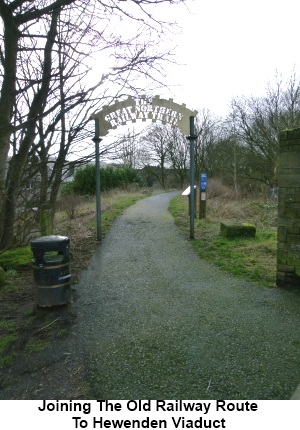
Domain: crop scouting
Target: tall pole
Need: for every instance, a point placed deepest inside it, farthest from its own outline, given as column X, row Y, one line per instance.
column 192, row 137
column 97, row 141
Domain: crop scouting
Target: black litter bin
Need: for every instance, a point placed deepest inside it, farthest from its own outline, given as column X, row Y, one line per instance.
column 51, row 270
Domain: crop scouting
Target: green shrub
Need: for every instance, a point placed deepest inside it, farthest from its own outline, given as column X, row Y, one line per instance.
column 67, row 188
column 85, row 179
column 16, row 258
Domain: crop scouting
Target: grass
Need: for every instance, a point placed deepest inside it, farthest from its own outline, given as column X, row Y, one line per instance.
column 16, row 258
column 34, row 346
column 28, row 332
column 8, row 335
column 253, row 259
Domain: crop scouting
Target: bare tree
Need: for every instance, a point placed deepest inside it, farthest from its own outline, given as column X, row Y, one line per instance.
column 257, row 123
column 26, row 99
column 155, row 151
column 178, row 149
column 208, row 129
column 125, row 149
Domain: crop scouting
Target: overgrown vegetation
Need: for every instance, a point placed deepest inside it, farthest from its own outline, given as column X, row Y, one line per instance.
column 25, row 330
column 84, row 182
column 16, row 258
column 253, row 259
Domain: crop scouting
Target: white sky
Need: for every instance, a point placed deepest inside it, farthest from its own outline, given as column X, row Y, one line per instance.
column 227, row 48
column 232, row 48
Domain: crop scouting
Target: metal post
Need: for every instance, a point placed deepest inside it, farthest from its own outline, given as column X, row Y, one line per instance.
column 192, row 137
column 97, row 141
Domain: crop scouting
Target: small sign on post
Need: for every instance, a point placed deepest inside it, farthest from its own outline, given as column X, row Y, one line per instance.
column 187, row 192
column 202, row 195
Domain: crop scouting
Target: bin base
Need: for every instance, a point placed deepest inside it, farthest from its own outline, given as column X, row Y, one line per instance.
column 47, row 297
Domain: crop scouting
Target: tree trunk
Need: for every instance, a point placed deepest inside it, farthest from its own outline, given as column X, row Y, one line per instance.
column 7, row 98
column 18, row 161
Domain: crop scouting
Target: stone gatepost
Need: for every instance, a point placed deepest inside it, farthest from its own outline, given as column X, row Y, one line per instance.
column 288, row 252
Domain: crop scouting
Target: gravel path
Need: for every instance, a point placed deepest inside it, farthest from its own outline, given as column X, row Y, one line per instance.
column 155, row 321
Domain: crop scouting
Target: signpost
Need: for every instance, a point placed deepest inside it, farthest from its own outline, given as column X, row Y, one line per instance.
column 187, row 193
column 192, row 138
column 202, row 195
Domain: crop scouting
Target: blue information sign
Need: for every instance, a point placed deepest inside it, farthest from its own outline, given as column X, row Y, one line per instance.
column 203, row 182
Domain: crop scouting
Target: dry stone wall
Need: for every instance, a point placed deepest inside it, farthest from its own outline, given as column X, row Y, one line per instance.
column 288, row 252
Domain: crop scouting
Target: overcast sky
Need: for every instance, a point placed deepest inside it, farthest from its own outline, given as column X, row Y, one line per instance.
column 226, row 49
column 232, row 48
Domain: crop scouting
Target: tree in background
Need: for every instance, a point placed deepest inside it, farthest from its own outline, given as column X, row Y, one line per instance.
column 164, row 155
column 178, row 149
column 208, row 129
column 35, row 90
column 257, row 122
column 154, row 150
column 125, row 149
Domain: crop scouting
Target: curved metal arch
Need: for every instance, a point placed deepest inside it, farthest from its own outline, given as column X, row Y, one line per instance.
column 144, row 108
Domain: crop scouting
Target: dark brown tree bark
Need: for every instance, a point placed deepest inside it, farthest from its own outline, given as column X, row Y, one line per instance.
column 18, row 162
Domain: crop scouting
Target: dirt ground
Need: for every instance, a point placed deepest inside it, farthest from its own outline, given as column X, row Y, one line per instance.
column 43, row 362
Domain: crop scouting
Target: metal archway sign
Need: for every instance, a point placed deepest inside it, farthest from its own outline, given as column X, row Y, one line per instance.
column 144, row 108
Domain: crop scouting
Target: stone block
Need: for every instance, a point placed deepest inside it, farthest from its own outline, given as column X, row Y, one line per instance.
column 291, row 180
column 289, row 160
column 285, row 268
column 281, row 211
column 292, row 281
column 289, row 144
column 281, row 257
column 281, row 234
column 293, row 134
column 283, row 135
column 285, row 281
column 237, row 230
column 293, row 238
column 297, row 195
column 291, row 260
column 288, row 223
column 284, row 245
column 293, row 255
column 291, row 211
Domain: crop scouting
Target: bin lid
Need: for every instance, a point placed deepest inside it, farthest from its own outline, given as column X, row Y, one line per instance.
column 49, row 241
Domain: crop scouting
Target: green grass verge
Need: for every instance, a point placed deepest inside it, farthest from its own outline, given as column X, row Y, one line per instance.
column 253, row 259
column 16, row 258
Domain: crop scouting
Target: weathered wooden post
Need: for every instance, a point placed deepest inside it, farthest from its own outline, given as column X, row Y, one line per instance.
column 288, row 251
